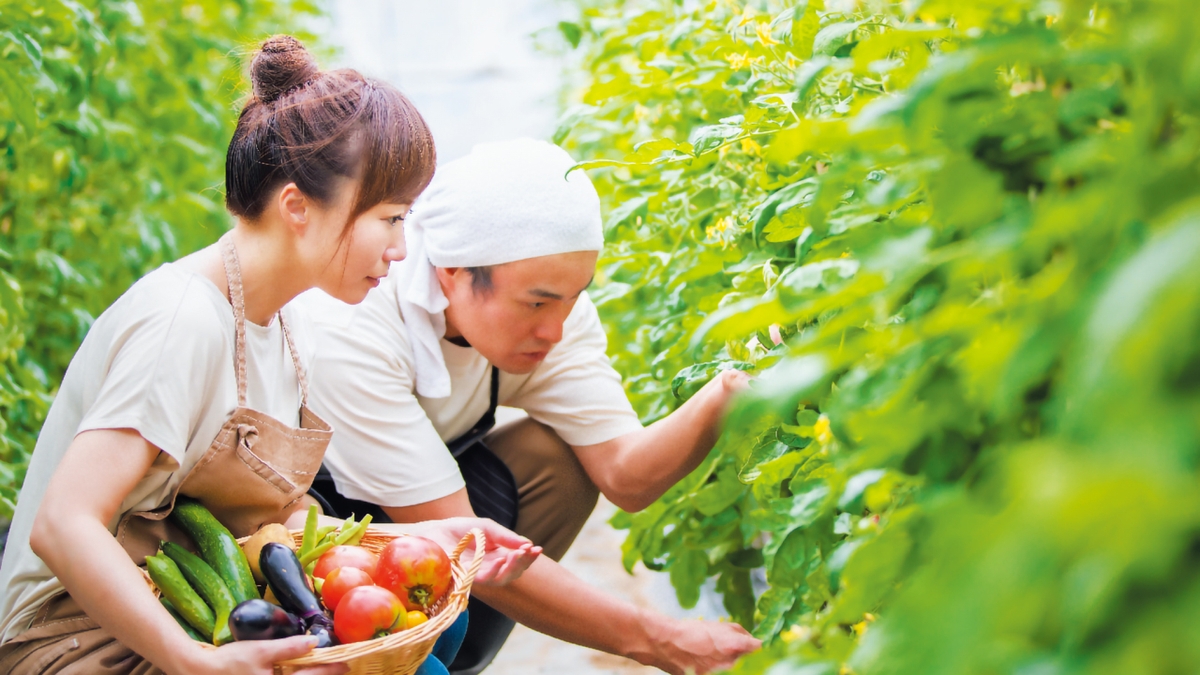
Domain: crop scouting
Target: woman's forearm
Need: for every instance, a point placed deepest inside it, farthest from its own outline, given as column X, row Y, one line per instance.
column 111, row 590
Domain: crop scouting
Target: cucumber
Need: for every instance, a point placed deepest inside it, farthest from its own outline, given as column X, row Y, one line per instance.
column 166, row 575
column 187, row 627
column 218, row 548
column 208, row 584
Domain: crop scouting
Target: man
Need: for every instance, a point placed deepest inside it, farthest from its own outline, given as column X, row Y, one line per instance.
column 490, row 308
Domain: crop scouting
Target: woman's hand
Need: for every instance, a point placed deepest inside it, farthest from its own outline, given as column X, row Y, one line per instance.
column 258, row 657
column 506, row 556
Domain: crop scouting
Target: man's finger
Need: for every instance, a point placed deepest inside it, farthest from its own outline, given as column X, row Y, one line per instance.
column 516, row 564
column 502, row 536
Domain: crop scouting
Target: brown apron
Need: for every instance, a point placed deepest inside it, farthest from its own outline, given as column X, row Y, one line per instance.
column 255, row 468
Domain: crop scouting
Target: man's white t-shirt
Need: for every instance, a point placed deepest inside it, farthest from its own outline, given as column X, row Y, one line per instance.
column 160, row 361
column 390, row 445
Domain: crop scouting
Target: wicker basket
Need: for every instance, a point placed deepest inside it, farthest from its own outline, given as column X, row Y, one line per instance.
column 399, row 653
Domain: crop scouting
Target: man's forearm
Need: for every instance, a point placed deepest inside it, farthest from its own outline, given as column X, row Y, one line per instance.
column 550, row 599
column 636, row 469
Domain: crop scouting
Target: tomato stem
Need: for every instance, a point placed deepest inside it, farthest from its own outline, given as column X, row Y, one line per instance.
column 420, row 595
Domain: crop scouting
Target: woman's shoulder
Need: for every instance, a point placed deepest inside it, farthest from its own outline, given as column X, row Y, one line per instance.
column 169, row 301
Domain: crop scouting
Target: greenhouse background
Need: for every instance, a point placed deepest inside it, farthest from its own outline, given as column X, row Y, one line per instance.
column 957, row 243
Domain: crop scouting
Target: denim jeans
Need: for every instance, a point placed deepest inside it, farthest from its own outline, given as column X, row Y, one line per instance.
column 446, row 648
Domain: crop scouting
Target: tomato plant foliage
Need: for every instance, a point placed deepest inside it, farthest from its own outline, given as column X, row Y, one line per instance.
column 959, row 242
column 114, row 118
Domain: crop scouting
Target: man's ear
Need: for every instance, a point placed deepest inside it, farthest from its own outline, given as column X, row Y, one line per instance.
column 449, row 278
column 293, row 208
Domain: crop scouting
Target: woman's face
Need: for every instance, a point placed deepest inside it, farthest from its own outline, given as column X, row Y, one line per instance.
column 356, row 262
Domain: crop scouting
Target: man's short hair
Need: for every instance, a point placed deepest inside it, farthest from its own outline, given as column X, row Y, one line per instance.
column 481, row 279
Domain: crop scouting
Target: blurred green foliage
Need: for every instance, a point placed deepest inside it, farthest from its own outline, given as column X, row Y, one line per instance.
column 114, row 119
column 960, row 242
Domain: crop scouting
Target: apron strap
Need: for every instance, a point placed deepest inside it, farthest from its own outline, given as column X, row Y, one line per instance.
column 233, row 274
column 460, row 445
column 300, row 375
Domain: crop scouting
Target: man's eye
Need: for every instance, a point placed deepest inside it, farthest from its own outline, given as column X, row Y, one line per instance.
column 536, row 305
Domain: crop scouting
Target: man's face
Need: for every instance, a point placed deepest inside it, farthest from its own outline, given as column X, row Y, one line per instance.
column 516, row 323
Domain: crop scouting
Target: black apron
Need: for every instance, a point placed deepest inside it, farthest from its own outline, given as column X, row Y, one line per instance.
column 492, row 491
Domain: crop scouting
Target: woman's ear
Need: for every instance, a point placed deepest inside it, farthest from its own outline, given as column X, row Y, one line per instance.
column 293, row 208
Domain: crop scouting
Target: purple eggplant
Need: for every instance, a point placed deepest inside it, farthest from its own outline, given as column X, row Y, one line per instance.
column 260, row 620
column 285, row 575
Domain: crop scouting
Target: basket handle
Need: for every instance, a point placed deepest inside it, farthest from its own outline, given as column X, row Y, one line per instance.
column 480, row 540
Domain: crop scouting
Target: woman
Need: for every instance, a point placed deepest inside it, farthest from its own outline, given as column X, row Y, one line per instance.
column 193, row 383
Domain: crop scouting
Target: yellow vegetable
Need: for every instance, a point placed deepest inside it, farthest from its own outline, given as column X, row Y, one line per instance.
column 416, row 618
column 253, row 546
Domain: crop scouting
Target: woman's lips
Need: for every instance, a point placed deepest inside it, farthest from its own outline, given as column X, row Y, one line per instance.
column 374, row 281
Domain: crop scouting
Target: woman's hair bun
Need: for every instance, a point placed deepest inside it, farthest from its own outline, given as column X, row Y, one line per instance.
column 280, row 64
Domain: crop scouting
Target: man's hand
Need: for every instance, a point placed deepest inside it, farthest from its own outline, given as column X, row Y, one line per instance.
column 684, row 647
column 506, row 556
column 719, row 391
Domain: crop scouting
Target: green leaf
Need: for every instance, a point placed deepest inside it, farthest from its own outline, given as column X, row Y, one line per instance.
column 832, row 37
column 790, row 559
column 870, row 573
column 855, row 488
column 808, row 73
column 571, row 31
column 705, row 139
column 688, row 572
column 720, row 494
column 19, row 100
column 774, row 606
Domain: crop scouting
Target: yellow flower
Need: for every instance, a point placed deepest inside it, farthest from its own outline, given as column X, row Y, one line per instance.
column 764, row 34
column 748, row 16
column 797, row 632
column 750, row 147
column 821, row 429
column 738, row 61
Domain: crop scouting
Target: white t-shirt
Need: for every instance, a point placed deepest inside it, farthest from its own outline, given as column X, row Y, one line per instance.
column 390, row 447
column 160, row 361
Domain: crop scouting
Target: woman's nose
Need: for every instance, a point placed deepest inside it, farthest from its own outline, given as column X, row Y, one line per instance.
column 397, row 250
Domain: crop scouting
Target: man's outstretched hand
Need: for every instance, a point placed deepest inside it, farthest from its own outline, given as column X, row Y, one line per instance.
column 697, row 647
column 506, row 556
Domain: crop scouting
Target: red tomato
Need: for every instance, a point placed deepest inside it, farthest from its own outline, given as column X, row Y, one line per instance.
column 416, row 569
column 345, row 556
column 368, row 612
column 340, row 581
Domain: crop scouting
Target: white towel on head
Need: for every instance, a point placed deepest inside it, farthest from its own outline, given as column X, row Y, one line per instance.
column 504, row 202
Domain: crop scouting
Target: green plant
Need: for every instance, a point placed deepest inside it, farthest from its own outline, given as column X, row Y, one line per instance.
column 114, row 118
column 960, row 242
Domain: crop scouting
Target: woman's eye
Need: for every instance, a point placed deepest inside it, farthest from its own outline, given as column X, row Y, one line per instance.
column 536, row 305
column 396, row 219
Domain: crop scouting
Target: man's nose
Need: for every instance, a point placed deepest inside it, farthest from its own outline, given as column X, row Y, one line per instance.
column 550, row 331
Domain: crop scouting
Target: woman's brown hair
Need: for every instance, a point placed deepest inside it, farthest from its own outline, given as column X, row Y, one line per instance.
column 307, row 126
